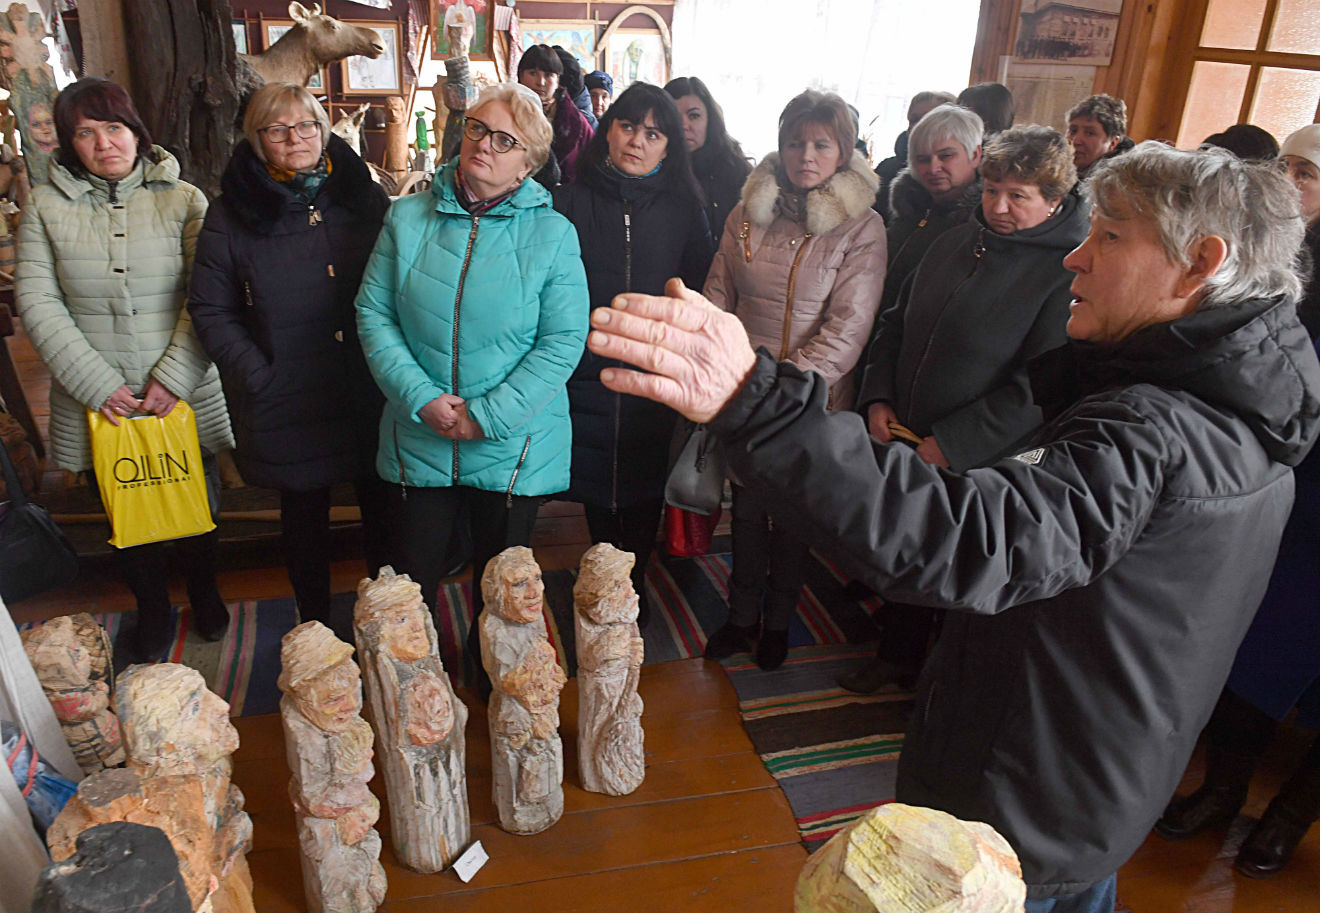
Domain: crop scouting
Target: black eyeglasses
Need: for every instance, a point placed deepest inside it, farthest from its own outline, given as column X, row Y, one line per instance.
column 500, row 141
column 279, row 133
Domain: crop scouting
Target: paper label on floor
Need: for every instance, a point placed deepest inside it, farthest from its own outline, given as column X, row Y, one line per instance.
column 471, row 862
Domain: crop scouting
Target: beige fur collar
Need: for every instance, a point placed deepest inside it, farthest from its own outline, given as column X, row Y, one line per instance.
column 844, row 197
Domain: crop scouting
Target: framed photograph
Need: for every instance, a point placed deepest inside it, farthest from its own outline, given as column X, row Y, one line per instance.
column 633, row 55
column 481, row 38
column 1078, row 33
column 382, row 76
column 272, row 30
column 578, row 36
column 240, row 35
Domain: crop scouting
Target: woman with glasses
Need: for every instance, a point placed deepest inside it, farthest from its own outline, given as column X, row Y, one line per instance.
column 278, row 265
column 104, row 251
column 473, row 314
column 638, row 214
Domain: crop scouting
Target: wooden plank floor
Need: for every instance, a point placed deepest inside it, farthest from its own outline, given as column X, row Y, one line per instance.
column 708, row 830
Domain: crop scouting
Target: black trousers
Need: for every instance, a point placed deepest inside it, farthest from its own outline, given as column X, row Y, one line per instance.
column 305, row 531
column 906, row 633
column 763, row 553
column 1237, row 736
column 423, row 522
column 631, row 529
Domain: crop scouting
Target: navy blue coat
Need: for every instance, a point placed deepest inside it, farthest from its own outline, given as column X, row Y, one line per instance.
column 621, row 443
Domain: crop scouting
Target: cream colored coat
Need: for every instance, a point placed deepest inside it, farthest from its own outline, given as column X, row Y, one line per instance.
column 101, row 288
column 808, row 293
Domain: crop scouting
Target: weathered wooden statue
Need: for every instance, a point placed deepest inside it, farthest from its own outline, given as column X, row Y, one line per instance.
column 527, row 757
column 328, row 746
column 901, row 857
column 418, row 720
column 71, row 657
column 173, row 725
column 611, row 758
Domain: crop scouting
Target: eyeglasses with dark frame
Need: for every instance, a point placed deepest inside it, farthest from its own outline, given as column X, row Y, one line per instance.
column 279, row 133
column 500, row 141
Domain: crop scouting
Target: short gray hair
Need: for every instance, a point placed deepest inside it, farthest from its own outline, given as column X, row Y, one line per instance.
column 534, row 131
column 951, row 122
column 268, row 101
column 1192, row 195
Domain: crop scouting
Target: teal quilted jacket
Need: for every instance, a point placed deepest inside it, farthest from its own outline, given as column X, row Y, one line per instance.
column 492, row 309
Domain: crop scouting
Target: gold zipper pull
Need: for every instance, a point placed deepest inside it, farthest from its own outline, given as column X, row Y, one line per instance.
column 745, row 236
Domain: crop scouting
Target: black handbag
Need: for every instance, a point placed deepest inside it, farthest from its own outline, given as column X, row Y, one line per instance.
column 696, row 479
column 34, row 555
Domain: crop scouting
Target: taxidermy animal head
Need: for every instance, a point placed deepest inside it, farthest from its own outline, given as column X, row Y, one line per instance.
column 314, row 41
column 349, row 127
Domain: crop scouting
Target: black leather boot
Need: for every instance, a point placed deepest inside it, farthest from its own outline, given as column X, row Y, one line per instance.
column 730, row 639
column 1288, row 817
column 1216, row 803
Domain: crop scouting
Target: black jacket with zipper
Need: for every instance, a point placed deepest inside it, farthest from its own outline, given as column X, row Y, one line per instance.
column 272, row 302
column 951, row 354
column 636, row 234
column 1102, row 579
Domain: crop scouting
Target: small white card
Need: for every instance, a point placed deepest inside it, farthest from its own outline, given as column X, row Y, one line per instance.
column 471, row 862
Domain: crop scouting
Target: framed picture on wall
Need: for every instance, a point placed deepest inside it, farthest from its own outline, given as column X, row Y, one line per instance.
column 484, row 11
column 578, row 36
column 381, row 76
column 633, row 55
column 272, row 30
column 240, row 35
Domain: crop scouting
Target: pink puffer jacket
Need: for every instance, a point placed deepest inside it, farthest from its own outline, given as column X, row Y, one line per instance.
column 809, row 292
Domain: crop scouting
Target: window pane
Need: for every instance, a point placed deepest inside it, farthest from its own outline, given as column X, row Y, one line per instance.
column 1233, row 24
column 1285, row 100
column 1296, row 27
column 1213, row 101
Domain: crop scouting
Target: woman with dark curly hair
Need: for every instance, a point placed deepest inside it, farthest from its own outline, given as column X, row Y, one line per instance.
column 718, row 161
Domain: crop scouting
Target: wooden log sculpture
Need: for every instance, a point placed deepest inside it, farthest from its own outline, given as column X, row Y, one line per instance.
column 611, row 758
column 314, row 41
column 418, row 721
column 900, row 857
column 173, row 725
column 527, row 756
column 116, row 867
column 71, row 657
column 31, row 81
column 328, row 746
column 396, row 137
column 173, row 803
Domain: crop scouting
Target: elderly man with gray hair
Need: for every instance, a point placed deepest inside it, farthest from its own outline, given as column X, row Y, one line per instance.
column 1103, row 577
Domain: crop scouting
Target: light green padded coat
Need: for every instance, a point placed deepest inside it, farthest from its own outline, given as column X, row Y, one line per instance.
column 102, row 278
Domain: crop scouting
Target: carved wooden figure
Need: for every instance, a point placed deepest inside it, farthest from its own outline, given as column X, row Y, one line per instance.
column 396, row 137
column 527, row 757
column 64, row 652
column 418, row 721
column 901, row 857
column 173, row 725
column 328, row 746
column 611, row 758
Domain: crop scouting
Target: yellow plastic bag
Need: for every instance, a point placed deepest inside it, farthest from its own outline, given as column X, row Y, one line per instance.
column 149, row 470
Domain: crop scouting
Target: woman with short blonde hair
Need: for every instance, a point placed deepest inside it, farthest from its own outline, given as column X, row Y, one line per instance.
column 271, row 100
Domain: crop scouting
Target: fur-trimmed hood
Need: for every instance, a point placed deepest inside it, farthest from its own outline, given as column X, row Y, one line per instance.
column 258, row 201
column 846, row 195
column 908, row 198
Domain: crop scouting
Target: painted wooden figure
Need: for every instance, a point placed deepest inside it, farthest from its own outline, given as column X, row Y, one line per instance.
column 527, row 756
column 418, row 721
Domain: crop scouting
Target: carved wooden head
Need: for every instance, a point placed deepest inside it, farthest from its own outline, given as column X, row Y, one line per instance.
column 171, row 722
column 327, row 38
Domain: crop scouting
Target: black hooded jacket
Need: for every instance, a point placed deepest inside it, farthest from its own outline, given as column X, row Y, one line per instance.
column 951, row 354
column 272, row 300
column 1104, row 576
column 635, row 233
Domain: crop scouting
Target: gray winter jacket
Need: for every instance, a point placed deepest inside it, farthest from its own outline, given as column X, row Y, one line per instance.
column 1104, row 577
column 102, row 277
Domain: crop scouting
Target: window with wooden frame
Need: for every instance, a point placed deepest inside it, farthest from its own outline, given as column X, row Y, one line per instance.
column 1250, row 61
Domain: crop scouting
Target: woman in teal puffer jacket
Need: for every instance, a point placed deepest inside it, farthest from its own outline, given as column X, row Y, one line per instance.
column 472, row 315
